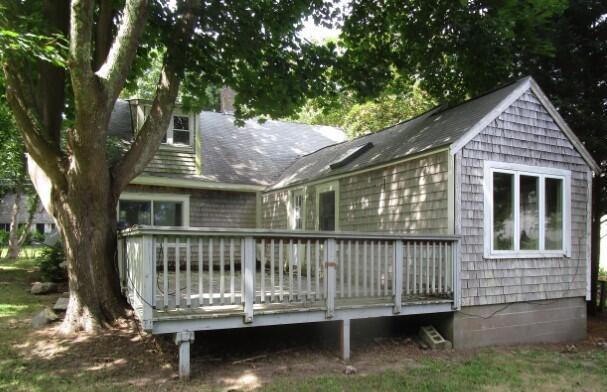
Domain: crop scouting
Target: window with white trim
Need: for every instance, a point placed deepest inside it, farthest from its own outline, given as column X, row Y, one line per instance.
column 527, row 210
column 297, row 209
column 179, row 131
column 153, row 209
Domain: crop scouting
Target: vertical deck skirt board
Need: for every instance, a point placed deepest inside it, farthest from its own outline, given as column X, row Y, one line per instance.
column 524, row 134
column 409, row 197
column 547, row 321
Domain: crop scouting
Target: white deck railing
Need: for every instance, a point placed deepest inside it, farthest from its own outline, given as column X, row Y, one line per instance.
column 255, row 271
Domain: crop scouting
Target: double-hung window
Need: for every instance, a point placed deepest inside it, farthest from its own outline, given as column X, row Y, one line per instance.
column 327, row 206
column 527, row 211
column 153, row 209
column 180, row 131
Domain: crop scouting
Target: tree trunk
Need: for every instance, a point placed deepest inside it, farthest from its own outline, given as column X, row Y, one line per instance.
column 88, row 229
column 595, row 243
column 13, row 235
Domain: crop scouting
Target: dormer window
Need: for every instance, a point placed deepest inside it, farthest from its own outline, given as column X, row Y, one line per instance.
column 179, row 132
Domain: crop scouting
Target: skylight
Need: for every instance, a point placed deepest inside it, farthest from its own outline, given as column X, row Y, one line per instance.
column 350, row 155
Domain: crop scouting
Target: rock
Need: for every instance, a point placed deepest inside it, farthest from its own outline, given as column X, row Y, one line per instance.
column 349, row 370
column 570, row 348
column 61, row 304
column 43, row 318
column 39, row 288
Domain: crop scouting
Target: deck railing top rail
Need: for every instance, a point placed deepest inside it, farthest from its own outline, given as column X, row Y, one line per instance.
column 299, row 234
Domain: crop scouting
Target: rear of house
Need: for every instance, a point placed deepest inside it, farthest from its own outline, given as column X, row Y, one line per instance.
column 479, row 212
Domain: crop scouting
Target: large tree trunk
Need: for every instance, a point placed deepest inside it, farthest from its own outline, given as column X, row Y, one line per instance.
column 88, row 229
column 13, row 235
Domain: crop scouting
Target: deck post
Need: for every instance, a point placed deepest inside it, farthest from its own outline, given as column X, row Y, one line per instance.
column 331, row 263
column 455, row 254
column 344, row 339
column 397, row 284
column 148, row 267
column 183, row 340
column 249, row 278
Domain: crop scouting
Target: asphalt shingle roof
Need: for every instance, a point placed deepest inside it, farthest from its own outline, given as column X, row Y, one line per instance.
column 436, row 128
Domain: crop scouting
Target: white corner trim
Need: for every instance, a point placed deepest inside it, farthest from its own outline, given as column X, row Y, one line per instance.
column 517, row 169
column 589, row 239
column 327, row 187
column 151, row 196
column 451, row 178
column 195, row 184
column 492, row 115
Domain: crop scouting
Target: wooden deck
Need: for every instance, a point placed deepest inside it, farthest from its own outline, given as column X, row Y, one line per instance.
column 184, row 280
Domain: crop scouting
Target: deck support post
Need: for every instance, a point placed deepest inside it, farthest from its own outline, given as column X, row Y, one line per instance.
column 344, row 339
column 183, row 340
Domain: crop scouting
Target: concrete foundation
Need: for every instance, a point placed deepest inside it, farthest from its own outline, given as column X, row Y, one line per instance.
column 549, row 321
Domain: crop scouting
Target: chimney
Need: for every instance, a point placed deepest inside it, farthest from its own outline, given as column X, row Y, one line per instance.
column 226, row 99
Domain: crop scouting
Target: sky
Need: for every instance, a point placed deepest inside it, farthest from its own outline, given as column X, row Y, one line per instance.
column 317, row 33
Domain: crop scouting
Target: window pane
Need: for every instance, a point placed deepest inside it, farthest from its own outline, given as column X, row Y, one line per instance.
column 167, row 213
column 529, row 213
column 297, row 211
column 326, row 213
column 181, row 137
column 135, row 212
column 503, row 211
column 181, row 122
column 553, row 239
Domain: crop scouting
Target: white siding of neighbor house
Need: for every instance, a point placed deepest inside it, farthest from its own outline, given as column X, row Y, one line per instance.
column 407, row 197
column 525, row 134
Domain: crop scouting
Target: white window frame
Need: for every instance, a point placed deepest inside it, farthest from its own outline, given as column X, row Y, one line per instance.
column 152, row 197
column 327, row 187
column 542, row 173
column 170, row 130
column 291, row 208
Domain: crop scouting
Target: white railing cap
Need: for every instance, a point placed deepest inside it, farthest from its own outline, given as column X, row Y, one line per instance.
column 294, row 234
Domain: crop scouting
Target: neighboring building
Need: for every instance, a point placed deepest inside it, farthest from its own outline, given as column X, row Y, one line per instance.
column 42, row 222
column 502, row 171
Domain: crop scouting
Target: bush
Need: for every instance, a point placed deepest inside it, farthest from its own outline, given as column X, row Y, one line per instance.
column 50, row 260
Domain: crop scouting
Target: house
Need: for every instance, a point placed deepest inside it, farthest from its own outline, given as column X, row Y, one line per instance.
column 42, row 223
column 479, row 213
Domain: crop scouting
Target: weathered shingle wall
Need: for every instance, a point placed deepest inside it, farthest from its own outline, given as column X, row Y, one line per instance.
column 526, row 134
column 210, row 208
column 274, row 210
column 410, row 197
column 172, row 160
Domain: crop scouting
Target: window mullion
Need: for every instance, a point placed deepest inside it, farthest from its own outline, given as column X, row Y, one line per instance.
column 542, row 211
column 517, row 222
column 152, row 212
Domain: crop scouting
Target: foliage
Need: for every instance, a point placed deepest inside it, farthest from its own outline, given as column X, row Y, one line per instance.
column 358, row 119
column 50, row 260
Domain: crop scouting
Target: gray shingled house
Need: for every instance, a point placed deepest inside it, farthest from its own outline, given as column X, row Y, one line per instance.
column 478, row 213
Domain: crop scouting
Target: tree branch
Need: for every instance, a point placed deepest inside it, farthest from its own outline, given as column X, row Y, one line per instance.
column 103, row 32
column 124, row 48
column 81, row 27
column 149, row 136
column 20, row 98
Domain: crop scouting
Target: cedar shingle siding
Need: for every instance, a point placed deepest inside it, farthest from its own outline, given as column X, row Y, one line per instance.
column 526, row 134
column 409, row 197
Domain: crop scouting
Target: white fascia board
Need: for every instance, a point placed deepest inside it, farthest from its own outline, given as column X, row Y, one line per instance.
column 195, row 184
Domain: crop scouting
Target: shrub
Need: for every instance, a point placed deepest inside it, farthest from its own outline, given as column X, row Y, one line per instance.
column 50, row 260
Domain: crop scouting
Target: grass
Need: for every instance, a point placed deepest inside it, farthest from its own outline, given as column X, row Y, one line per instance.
column 122, row 360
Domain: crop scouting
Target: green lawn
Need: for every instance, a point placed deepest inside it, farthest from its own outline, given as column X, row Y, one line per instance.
column 124, row 360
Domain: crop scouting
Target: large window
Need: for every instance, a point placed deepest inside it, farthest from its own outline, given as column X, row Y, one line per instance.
column 153, row 209
column 297, row 209
column 327, row 206
column 526, row 211
column 180, row 131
